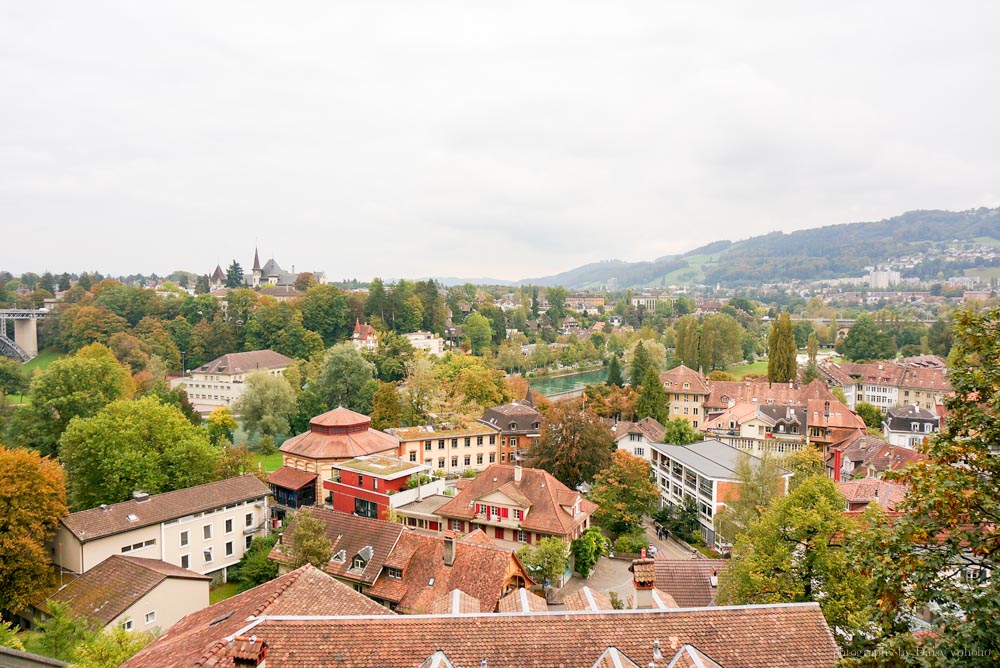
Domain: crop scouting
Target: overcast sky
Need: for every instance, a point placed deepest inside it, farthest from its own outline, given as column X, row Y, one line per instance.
column 501, row 139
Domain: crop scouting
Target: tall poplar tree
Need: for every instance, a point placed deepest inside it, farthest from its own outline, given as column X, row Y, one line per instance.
column 781, row 365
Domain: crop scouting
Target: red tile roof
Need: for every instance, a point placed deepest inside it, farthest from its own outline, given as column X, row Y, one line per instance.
column 200, row 639
column 484, row 572
column 762, row 636
column 353, row 437
column 455, row 602
column 781, row 394
column 96, row 523
column 688, row 581
column 290, row 478
column 864, row 491
column 248, row 362
column 674, row 380
column 350, row 534
column 522, row 600
column 547, row 497
column 588, row 599
column 117, row 583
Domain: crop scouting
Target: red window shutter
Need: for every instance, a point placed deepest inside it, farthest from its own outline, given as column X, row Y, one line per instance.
column 477, row 509
column 504, row 512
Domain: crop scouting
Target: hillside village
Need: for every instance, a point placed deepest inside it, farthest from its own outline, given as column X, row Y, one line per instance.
column 264, row 468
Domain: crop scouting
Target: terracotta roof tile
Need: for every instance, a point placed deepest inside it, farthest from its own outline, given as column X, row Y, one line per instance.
column 688, row 581
column 353, row 437
column 690, row 656
column 290, row 478
column 455, row 602
column 674, row 380
column 110, row 588
column 546, row 494
column 886, row 494
column 748, row 636
column 522, row 600
column 588, row 599
column 200, row 638
column 248, row 362
column 96, row 523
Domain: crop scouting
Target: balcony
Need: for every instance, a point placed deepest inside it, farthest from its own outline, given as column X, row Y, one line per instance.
column 493, row 520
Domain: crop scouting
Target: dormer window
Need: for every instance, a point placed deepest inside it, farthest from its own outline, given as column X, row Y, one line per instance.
column 513, row 426
column 914, row 426
column 394, row 573
column 359, row 563
column 687, row 385
column 340, row 557
column 770, row 401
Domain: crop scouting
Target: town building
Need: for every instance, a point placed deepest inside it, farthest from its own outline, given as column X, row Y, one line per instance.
column 364, row 337
column 909, row 426
column 133, row 593
column 637, row 438
column 222, row 382
column 373, row 485
column 522, row 505
column 584, row 301
column 520, row 426
column 426, row 341
column 451, row 451
column 693, row 583
column 687, row 391
column 205, row 529
column 704, row 472
column 334, row 437
column 888, row 384
column 859, row 493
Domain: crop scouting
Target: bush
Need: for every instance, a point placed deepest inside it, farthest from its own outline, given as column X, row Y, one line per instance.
column 266, row 446
column 631, row 543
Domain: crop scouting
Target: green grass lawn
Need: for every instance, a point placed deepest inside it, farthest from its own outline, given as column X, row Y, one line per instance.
column 740, row 370
column 269, row 462
column 43, row 360
column 222, row 592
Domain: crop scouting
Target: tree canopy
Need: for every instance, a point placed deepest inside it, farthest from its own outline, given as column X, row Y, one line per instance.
column 781, row 364
column 134, row 445
column 267, row 404
column 574, row 445
column 624, row 493
column 307, row 541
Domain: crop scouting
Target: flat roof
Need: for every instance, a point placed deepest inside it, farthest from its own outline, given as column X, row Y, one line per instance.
column 711, row 458
column 380, row 466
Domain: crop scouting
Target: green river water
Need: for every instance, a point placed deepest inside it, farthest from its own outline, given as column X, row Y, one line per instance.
column 576, row 381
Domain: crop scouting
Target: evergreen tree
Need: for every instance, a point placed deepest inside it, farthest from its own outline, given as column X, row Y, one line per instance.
column 687, row 339
column 641, row 364
column 652, row 400
column 234, row 275
column 811, row 372
column 615, row 372
column 781, row 365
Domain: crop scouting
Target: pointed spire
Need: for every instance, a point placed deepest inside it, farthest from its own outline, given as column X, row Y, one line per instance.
column 256, row 260
column 529, row 400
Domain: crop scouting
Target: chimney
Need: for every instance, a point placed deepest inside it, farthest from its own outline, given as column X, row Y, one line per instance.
column 140, row 496
column 713, row 580
column 517, row 473
column 248, row 652
column 643, row 579
column 449, row 548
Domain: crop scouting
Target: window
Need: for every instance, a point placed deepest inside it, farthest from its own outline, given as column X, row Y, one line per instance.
column 479, row 458
column 517, row 513
column 413, row 456
column 522, row 537
column 640, row 452
column 206, row 532
column 427, row 445
column 207, row 555
column 468, row 441
column 513, row 441
column 635, row 437
column 185, row 561
column 440, row 462
column 503, row 456
column 493, row 458
column 229, row 549
column 229, row 525
column 128, row 625
column 914, row 426
column 394, row 573
column 705, row 487
column 454, row 442
column 493, row 439
column 249, row 539
column 468, row 460
column 456, row 525
column 454, row 462
column 359, row 563
column 479, row 440
column 249, row 519
column 151, row 617
column 364, row 508
column 690, row 479
column 361, row 480
column 441, row 444
column 139, row 545
column 184, row 538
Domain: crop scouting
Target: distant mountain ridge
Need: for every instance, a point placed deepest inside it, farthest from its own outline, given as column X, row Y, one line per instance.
column 833, row 251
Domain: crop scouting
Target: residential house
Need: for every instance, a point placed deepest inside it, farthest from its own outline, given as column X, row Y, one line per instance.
column 217, row 281
column 222, row 382
column 517, row 504
column 426, row 341
column 870, row 457
column 201, row 638
column 889, row 384
column 687, row 391
column 282, row 293
column 364, row 337
column 859, row 493
column 693, row 583
column 520, row 426
column 637, row 438
column 909, row 426
column 205, row 529
column 133, row 593
column 453, row 450
column 583, row 301
column 704, row 472
column 373, row 485
column 333, row 437
column 409, row 571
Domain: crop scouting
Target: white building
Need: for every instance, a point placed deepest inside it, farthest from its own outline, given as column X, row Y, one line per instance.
column 222, row 381
column 426, row 341
column 637, row 438
column 205, row 529
column 908, row 426
column 880, row 279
